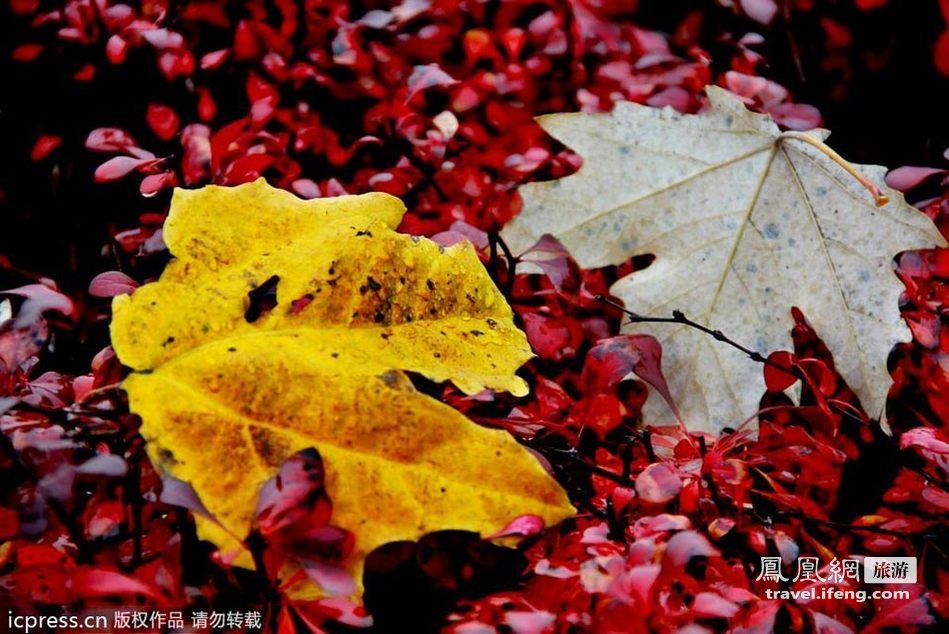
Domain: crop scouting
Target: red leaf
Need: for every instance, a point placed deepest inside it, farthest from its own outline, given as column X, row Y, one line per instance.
column 22, row 7
column 27, row 52
column 44, row 146
column 824, row 378
column 524, row 525
column 178, row 493
column 640, row 354
column 552, row 258
column 174, row 63
column 100, row 582
column 775, row 378
column 214, row 59
column 154, row 183
column 941, row 53
column 907, row 177
column 116, row 49
column 9, row 523
column 41, row 299
column 85, row 73
column 163, row 121
column 112, row 283
column 796, row 116
column 761, row 11
column 207, row 107
column 163, row 38
column 686, row 545
column 714, row 606
column 294, row 494
column 428, row 76
column 109, row 140
column 119, row 166
column 658, row 483
column 246, row 45
column 336, row 581
column 867, row 5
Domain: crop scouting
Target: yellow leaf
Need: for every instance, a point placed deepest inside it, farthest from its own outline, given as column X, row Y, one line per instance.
column 745, row 222
column 227, row 391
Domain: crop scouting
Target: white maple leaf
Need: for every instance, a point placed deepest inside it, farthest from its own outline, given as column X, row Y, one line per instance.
column 745, row 222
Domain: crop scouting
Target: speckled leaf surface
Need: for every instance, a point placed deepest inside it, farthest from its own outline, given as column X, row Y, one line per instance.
column 228, row 387
column 744, row 225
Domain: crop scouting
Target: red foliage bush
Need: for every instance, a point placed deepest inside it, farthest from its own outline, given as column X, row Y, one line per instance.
column 433, row 102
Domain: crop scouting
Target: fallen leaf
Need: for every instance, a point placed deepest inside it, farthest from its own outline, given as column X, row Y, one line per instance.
column 234, row 374
column 745, row 223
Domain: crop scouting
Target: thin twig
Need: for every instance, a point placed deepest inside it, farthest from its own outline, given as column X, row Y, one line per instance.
column 495, row 242
column 842, row 526
column 511, row 264
column 678, row 317
column 493, row 254
column 133, row 497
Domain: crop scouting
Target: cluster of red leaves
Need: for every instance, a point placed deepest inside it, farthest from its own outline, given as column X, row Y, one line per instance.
column 672, row 528
column 921, row 381
column 433, row 101
column 81, row 518
column 429, row 101
column 838, row 35
column 86, row 522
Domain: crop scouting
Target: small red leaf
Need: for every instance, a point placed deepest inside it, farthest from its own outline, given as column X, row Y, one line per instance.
column 714, row 606
column 112, row 283
column 761, row 11
column 117, row 167
column 207, row 107
column 154, row 183
column 640, row 354
column 116, row 49
column 44, row 146
column 907, row 177
column 163, row 121
column 524, row 525
column 86, row 73
column 658, row 483
column 775, row 378
column 26, row 52
column 109, row 140
column 214, row 59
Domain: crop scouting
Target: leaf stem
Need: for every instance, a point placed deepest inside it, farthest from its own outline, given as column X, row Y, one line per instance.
column 879, row 196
